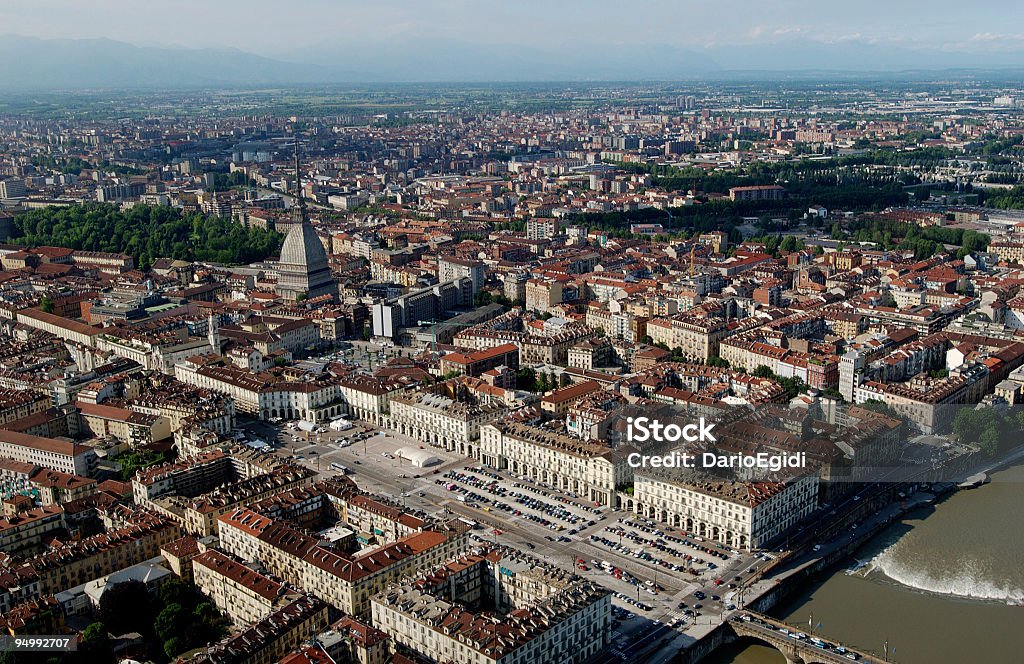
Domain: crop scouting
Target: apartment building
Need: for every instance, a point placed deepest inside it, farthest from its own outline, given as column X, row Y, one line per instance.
column 587, row 468
column 768, row 192
column 62, row 455
column 59, row 326
column 450, row 268
column 542, row 294
column 500, row 607
column 370, row 515
column 186, row 406
column 201, row 513
column 139, row 537
column 817, row 370
column 127, row 426
column 366, row 398
column 697, row 339
column 266, row 395
column 535, row 346
column 351, row 640
column 926, row 402
column 196, row 491
column 542, row 228
column 557, row 402
column 590, row 354
column 24, row 529
column 242, row 593
column 345, row 581
column 204, row 472
column 273, row 637
column 445, row 415
column 1009, row 251
column 16, row 404
column 477, row 362
column 744, row 515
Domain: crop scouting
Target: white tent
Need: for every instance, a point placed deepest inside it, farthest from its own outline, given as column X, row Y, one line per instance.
column 418, row 458
column 340, row 424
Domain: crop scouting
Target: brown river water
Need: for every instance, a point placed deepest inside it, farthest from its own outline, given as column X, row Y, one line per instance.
column 945, row 585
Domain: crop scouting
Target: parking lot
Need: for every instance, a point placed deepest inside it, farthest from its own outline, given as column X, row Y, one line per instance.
column 479, row 487
column 652, row 571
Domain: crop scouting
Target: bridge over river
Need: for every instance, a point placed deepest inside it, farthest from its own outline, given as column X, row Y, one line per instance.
column 796, row 646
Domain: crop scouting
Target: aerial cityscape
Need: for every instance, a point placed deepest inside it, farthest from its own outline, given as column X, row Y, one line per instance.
column 432, row 353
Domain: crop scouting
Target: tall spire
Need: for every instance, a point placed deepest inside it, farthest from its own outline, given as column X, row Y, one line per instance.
column 303, row 269
column 299, row 211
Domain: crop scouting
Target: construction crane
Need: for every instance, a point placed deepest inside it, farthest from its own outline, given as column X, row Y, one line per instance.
column 693, row 251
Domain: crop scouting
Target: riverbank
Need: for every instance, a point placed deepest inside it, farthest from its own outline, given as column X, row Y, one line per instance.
column 796, row 575
column 939, row 583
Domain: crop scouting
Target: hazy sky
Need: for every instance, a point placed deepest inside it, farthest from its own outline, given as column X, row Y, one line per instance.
column 276, row 27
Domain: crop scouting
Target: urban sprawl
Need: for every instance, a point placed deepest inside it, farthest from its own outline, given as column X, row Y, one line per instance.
column 354, row 387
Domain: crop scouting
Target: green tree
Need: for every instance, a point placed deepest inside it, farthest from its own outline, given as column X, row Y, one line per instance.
column 46, row 304
column 144, row 232
column 176, row 591
column 208, row 623
column 95, row 644
column 833, row 393
column 988, row 441
column 171, row 622
column 792, row 384
column 969, row 422
column 132, row 462
column 174, row 646
column 504, row 301
column 526, row 379
column 126, row 607
column 11, row 656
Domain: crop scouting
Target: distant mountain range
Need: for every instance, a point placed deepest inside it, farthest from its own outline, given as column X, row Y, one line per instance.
column 32, row 63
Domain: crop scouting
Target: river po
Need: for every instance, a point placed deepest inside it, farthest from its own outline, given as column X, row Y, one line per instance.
column 945, row 585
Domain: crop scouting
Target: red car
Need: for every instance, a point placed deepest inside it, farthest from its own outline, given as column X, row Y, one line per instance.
column 718, row 582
